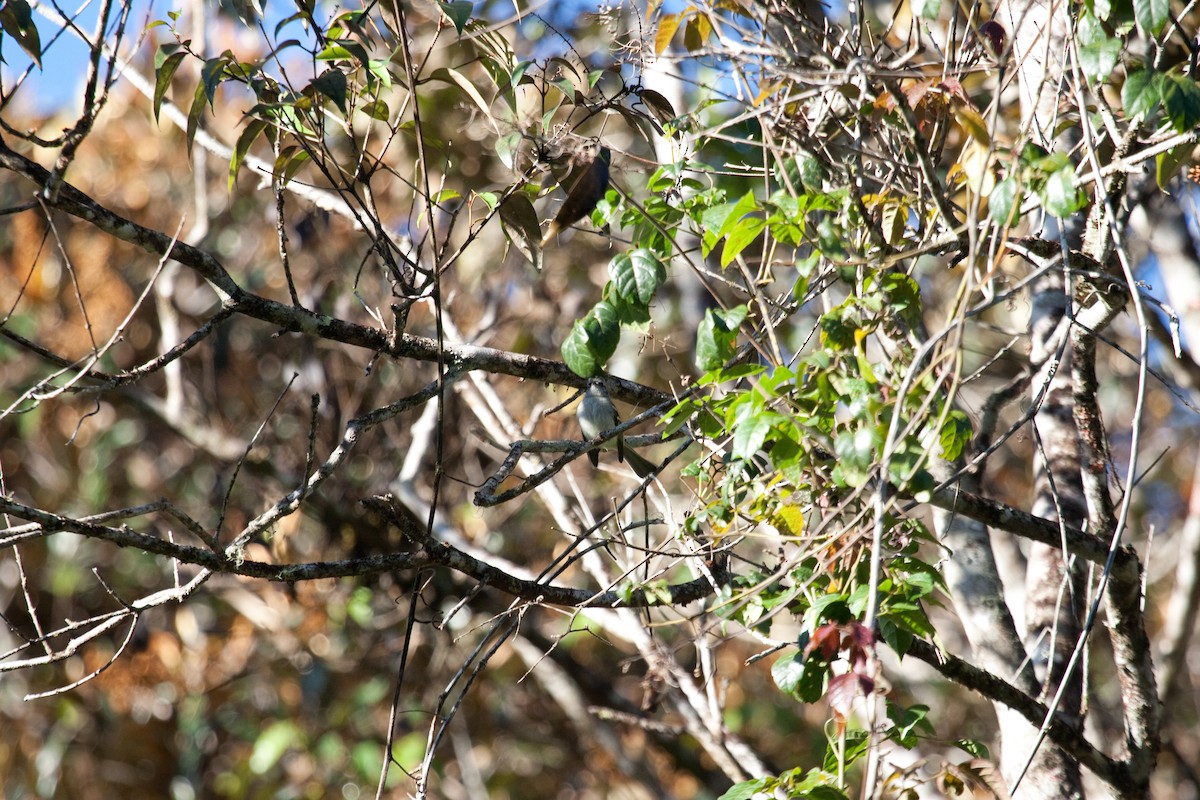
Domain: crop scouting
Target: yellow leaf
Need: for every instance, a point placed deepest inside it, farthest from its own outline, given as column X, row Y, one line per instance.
column 972, row 122
column 697, row 31
column 666, row 32
column 895, row 220
column 977, row 163
column 788, row 520
column 766, row 89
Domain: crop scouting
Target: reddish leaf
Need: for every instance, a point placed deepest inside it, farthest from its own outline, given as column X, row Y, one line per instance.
column 827, row 640
column 844, row 689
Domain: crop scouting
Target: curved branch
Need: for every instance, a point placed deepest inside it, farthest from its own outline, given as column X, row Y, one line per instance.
column 300, row 320
column 1039, row 529
column 428, row 552
column 1114, row 772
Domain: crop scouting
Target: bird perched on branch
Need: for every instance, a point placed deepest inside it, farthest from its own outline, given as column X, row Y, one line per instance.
column 585, row 185
column 598, row 415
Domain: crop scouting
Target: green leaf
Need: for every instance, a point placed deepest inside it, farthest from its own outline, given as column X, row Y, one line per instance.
column 1181, row 101
column 1151, row 15
column 345, row 51
column 716, row 337
column 1168, row 164
column 194, row 113
column 907, row 722
column 750, row 431
column 787, row 672
column 812, row 682
column 856, row 454
column 520, row 224
column 743, row 234
column 16, row 18
column 212, row 73
column 592, row 341
column 458, row 12
column 1059, row 196
column 911, row 618
column 855, row 747
column 332, row 83
column 377, row 70
column 832, row 607
column 253, row 129
column 734, row 213
column 636, row 275
column 288, row 162
column 1142, row 92
column 1099, row 59
column 902, row 296
column 977, row 749
column 954, row 435
column 164, row 72
column 696, row 31
column 507, row 147
column 490, row 199
column 376, row 109
column 1003, row 202
column 745, row 790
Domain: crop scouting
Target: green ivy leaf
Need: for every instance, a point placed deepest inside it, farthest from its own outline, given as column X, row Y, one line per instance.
column 954, row 435
column 592, row 341
column 717, row 336
column 1181, row 101
column 1142, row 92
column 745, row 790
column 742, row 235
column 636, row 275
column 1059, row 196
column 1002, row 202
column 787, row 672
column 1151, row 15
column 750, row 431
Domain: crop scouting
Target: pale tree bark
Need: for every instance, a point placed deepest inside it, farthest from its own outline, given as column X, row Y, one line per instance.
column 1072, row 466
column 1053, row 591
column 1161, row 224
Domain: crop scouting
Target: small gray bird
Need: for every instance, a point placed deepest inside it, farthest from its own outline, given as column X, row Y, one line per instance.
column 598, row 415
